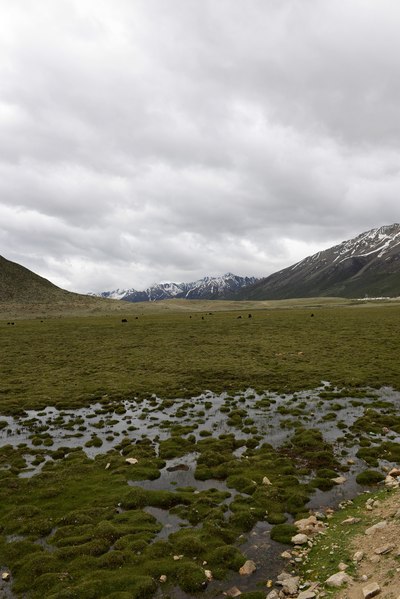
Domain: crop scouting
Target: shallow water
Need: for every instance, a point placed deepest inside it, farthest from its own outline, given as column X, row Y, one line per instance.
column 51, row 429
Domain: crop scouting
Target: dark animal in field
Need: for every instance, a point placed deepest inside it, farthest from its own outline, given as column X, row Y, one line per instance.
column 136, row 317
column 124, row 320
column 202, row 318
column 239, row 317
column 250, row 316
column 312, row 315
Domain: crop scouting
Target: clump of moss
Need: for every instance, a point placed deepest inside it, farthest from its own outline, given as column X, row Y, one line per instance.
column 370, row 477
column 283, row 533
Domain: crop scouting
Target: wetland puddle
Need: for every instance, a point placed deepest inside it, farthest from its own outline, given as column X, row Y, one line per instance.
column 252, row 420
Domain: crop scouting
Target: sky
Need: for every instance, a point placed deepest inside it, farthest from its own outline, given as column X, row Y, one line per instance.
column 151, row 140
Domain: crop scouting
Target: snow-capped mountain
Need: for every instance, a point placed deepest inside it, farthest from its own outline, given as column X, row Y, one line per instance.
column 367, row 265
column 222, row 287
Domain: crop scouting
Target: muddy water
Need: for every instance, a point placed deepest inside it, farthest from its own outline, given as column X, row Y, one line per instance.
column 273, row 416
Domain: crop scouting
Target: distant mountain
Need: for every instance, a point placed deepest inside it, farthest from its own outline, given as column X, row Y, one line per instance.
column 223, row 287
column 368, row 265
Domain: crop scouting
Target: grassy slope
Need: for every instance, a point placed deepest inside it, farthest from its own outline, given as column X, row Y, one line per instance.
column 74, row 360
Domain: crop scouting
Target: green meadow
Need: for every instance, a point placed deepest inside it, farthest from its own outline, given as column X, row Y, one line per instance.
column 74, row 361
column 82, row 525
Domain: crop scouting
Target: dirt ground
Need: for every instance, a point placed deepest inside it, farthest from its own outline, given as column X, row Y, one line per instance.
column 381, row 554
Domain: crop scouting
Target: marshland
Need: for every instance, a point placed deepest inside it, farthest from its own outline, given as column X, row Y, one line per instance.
column 186, row 439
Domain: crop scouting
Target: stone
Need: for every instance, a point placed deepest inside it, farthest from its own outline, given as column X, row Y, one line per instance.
column 394, row 472
column 339, row 480
column 107, row 466
column 342, row 566
column 163, row 578
column 266, row 481
column 375, row 559
column 310, row 525
column 272, row 595
column 208, row 575
column 357, row 557
column 5, row 577
column 306, row 595
column 131, row 461
column 372, row 529
column 300, row 539
column 248, row 568
column 286, row 554
column 384, row 549
column 177, row 557
column 232, row 592
column 339, row 579
column 351, row 520
column 289, row 583
column 371, row 590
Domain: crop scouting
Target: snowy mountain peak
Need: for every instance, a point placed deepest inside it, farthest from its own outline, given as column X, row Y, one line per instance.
column 218, row 287
column 367, row 265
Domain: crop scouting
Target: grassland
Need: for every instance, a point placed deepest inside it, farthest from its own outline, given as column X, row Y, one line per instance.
column 72, row 361
column 78, row 530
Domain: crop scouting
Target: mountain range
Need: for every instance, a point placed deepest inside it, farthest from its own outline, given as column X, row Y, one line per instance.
column 224, row 287
column 366, row 266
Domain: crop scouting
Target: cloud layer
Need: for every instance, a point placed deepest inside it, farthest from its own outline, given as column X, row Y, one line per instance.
column 142, row 140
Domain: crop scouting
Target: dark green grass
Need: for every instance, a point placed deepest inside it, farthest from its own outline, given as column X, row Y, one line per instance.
column 71, row 362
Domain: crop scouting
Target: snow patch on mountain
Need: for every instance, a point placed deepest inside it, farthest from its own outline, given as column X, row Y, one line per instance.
column 218, row 287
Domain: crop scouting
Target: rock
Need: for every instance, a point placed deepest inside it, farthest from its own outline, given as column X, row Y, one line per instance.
column 351, row 520
column 384, row 549
column 177, row 557
column 232, row 592
column 371, row 590
column 357, row 557
column 208, row 575
column 306, row 595
column 310, row 525
column 272, row 595
column 266, row 481
column 5, row 577
column 339, row 480
column 394, row 472
column 248, row 568
column 289, row 583
column 342, row 566
column 372, row 529
column 375, row 559
column 183, row 467
column 131, row 461
column 163, row 578
column 299, row 539
column 339, row 579
column 107, row 466
column 286, row 554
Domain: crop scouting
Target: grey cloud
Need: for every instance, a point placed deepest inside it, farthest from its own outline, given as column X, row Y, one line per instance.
column 144, row 140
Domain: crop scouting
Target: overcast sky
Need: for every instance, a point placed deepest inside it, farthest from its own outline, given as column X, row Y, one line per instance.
column 150, row 140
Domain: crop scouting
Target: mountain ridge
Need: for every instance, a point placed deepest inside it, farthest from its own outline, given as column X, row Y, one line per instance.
column 366, row 265
column 220, row 287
